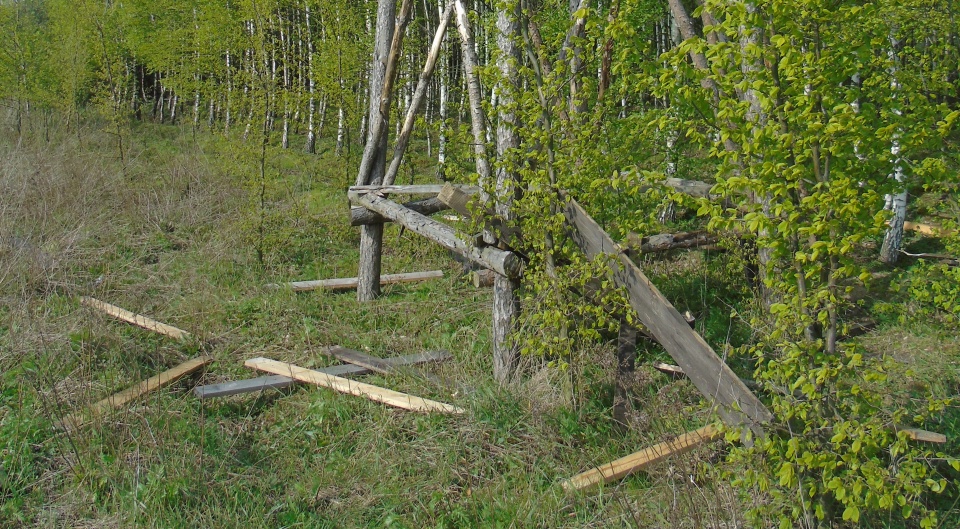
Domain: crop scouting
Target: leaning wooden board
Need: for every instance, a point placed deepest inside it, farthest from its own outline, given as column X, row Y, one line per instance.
column 119, row 399
column 344, row 385
column 279, row 381
column 738, row 405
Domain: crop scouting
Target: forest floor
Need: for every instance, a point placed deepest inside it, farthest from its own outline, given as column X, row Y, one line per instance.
column 173, row 231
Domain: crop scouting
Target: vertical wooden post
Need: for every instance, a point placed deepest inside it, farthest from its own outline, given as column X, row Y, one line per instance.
column 626, row 364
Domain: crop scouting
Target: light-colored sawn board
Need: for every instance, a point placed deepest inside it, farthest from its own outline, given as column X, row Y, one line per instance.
column 347, row 283
column 151, row 384
column 343, row 385
column 135, row 319
column 643, row 459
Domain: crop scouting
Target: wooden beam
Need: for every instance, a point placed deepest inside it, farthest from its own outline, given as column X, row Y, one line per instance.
column 119, row 399
column 916, row 434
column 343, row 385
column 427, row 206
column 505, row 263
column 135, row 319
column 348, row 283
column 718, row 383
column 460, row 200
column 377, row 365
column 669, row 369
column 426, row 189
column 259, row 384
column 642, row 460
column 927, row 229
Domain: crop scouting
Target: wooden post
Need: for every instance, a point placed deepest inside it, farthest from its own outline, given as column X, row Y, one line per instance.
column 626, row 365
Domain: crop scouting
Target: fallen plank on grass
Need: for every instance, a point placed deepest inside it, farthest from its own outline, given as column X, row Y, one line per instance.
column 151, row 384
column 348, row 283
column 135, row 319
column 377, row 365
column 738, row 406
column 642, row 460
column 279, row 382
column 343, row 385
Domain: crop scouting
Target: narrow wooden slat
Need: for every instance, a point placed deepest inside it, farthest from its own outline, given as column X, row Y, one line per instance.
column 279, row 382
column 348, row 283
column 151, row 384
column 642, row 460
column 343, row 385
column 135, row 319
column 377, row 365
column 715, row 380
column 916, row 434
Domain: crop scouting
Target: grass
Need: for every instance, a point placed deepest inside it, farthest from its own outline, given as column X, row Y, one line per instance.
column 173, row 235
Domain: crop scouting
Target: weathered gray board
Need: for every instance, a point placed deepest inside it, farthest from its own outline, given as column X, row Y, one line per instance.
column 737, row 404
column 278, row 382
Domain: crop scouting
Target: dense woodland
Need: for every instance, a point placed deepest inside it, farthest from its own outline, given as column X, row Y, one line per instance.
column 809, row 148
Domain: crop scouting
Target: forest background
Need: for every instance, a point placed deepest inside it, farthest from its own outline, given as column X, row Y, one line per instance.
column 173, row 157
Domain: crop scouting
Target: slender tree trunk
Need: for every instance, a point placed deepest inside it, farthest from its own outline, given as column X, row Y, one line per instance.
column 371, row 236
column 311, row 134
column 897, row 202
column 506, row 301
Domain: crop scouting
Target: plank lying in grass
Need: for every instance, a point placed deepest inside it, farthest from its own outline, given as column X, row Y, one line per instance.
column 135, row 319
column 279, row 382
column 377, row 365
column 119, row 399
column 348, row 283
column 642, row 460
column 343, row 385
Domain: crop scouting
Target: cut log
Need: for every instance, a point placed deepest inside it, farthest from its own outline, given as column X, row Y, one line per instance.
column 427, row 206
column 716, row 381
column 505, row 263
column 255, row 385
column 343, row 385
column 426, row 189
column 348, row 283
column 665, row 242
column 136, row 319
column 119, row 399
column 642, row 460
column 459, row 199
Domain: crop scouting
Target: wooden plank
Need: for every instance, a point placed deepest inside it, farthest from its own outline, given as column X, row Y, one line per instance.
column 427, row 189
column 119, row 399
column 377, row 365
column 500, row 261
column 253, row 385
column 348, row 283
column 135, row 319
column 669, row 369
column 916, row 434
column 642, row 460
column 343, row 385
column 737, row 404
column 927, row 229
column 427, row 206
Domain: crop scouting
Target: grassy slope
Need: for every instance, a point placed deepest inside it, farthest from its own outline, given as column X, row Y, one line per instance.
column 174, row 237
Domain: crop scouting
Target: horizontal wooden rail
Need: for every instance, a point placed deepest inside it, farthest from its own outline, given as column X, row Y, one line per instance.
column 348, row 283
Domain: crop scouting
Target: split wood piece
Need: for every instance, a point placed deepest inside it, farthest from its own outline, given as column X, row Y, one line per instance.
column 665, row 242
column 715, row 380
column 483, row 278
column 256, row 385
column 344, row 385
column 135, row 319
column 926, row 229
column 119, row 399
column 669, row 369
column 460, row 200
column 427, row 206
column 425, row 189
column 916, row 434
column 348, row 283
column 642, row 460
column 500, row 261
